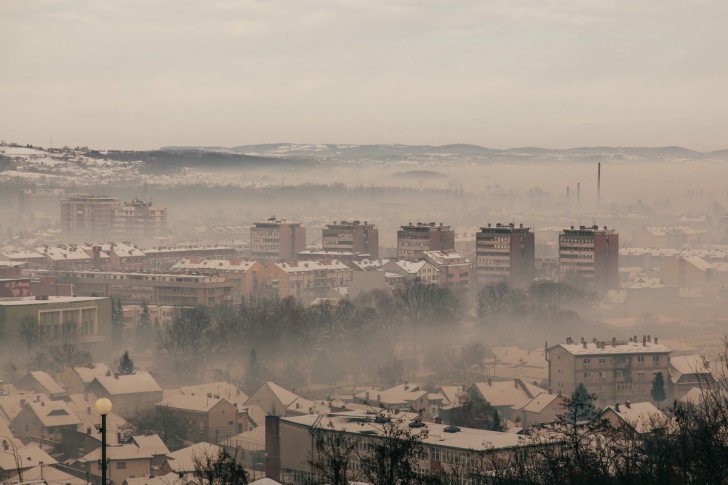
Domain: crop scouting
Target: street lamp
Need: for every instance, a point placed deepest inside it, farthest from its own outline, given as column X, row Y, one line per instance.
column 103, row 407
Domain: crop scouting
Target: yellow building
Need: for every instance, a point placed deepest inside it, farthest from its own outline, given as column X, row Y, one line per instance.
column 613, row 371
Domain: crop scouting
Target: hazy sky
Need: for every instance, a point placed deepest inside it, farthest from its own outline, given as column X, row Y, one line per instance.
column 499, row 73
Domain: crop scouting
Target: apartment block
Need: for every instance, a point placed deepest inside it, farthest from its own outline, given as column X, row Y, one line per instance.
column 506, row 253
column 154, row 289
column 248, row 276
column 276, row 240
column 590, row 255
column 414, row 239
column 88, row 217
column 614, row 371
column 307, row 280
column 353, row 237
column 454, row 268
column 140, row 221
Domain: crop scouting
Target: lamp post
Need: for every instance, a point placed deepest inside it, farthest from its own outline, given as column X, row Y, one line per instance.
column 103, row 407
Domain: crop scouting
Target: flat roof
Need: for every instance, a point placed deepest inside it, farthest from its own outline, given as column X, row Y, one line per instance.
column 31, row 300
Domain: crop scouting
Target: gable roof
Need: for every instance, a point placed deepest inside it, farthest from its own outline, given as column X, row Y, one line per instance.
column 539, row 402
column 196, row 403
column 54, row 413
column 183, row 460
column 641, row 416
column 30, row 455
column 88, row 373
column 687, row 365
column 152, row 443
column 47, row 382
column 131, row 384
column 514, row 393
column 121, row 452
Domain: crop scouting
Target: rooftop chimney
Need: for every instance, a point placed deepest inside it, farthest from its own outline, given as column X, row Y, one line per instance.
column 616, row 407
column 628, row 404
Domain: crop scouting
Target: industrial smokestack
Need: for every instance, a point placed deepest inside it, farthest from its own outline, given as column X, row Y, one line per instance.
column 567, row 193
column 578, row 192
column 599, row 182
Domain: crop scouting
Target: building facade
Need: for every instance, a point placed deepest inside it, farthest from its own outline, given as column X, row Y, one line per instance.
column 590, row 255
column 414, row 239
column 140, row 221
column 307, row 280
column 88, row 217
column 353, row 237
column 505, row 253
column 56, row 319
column 276, row 240
column 454, row 268
column 613, row 371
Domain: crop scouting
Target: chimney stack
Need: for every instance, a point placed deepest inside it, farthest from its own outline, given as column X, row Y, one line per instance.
column 628, row 404
column 616, row 407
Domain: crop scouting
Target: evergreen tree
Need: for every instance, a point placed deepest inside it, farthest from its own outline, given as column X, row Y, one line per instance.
column 581, row 405
column 253, row 374
column 497, row 425
column 126, row 365
column 144, row 330
column 117, row 321
column 658, row 388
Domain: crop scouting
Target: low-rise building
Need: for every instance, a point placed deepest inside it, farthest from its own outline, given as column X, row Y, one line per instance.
column 129, row 394
column 613, row 371
column 56, row 319
column 307, row 280
column 208, row 417
column 77, row 379
column 454, row 268
column 44, row 420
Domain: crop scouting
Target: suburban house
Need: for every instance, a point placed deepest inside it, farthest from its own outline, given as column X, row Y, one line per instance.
column 208, row 417
column 77, row 379
column 641, row 417
column 41, row 382
column 129, row 394
column 543, row 408
column 125, row 461
column 277, row 401
column 44, row 420
column 505, row 396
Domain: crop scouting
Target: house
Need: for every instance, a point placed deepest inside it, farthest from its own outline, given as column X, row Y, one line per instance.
column 77, row 379
column 403, row 397
column 44, row 420
column 419, row 270
column 77, row 443
column 183, row 460
column 642, row 417
column 505, row 396
column 277, row 401
column 125, row 461
column 207, row 417
column 688, row 371
column 129, row 394
column 543, row 408
column 155, row 446
column 15, row 459
column 41, row 382
column 224, row 390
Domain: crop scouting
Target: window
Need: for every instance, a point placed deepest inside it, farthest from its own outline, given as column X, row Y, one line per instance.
column 587, row 361
column 121, row 465
column 641, row 359
column 624, row 386
column 620, row 360
column 656, row 359
column 602, row 375
column 587, row 375
column 602, row 360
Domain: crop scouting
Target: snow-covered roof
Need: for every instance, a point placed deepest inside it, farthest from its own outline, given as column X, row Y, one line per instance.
column 539, row 403
column 402, row 395
column 31, row 300
column 129, row 384
column 641, row 416
column 232, row 264
column 88, row 373
column 621, row 348
column 681, row 365
column 221, row 388
column 183, row 460
column 356, row 422
column 54, row 413
column 513, row 393
column 64, row 253
column 47, row 382
column 196, row 403
column 30, row 456
column 309, row 266
column 120, row 452
column 411, row 267
column 153, row 443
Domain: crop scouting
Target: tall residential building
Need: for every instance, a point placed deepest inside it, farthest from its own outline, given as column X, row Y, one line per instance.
column 276, row 240
column 88, row 217
column 590, row 255
column 505, row 253
column 353, row 237
column 140, row 221
column 614, row 371
column 414, row 239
